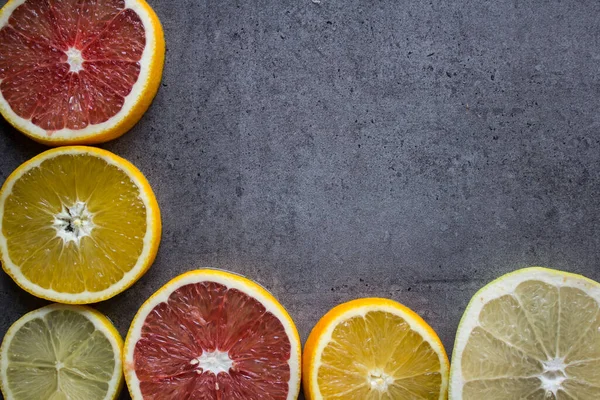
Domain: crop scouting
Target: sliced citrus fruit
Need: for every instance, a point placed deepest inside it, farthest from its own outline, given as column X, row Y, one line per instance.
column 374, row 349
column 61, row 352
column 212, row 335
column 533, row 334
column 77, row 225
column 78, row 71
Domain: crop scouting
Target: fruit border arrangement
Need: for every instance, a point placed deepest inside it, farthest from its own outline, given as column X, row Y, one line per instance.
column 79, row 225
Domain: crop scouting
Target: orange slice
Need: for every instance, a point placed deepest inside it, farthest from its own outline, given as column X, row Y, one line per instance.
column 77, row 225
column 374, row 349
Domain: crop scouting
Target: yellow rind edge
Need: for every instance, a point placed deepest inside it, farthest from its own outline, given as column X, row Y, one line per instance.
column 316, row 335
column 131, row 170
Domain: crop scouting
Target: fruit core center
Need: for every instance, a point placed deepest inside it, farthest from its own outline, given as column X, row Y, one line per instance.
column 73, row 223
column 215, row 362
column 553, row 375
column 379, row 380
column 74, row 59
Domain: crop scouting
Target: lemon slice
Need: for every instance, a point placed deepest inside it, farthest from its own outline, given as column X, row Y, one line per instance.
column 374, row 349
column 77, row 225
column 533, row 334
column 61, row 352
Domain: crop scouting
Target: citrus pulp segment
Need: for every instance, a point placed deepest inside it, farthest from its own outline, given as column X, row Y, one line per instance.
column 374, row 349
column 208, row 335
column 77, row 225
column 78, row 71
column 532, row 334
column 61, row 352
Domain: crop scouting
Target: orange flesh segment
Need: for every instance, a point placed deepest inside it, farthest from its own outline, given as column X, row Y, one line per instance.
column 99, row 260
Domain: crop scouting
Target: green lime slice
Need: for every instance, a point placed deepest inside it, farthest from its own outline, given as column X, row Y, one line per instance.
column 61, row 352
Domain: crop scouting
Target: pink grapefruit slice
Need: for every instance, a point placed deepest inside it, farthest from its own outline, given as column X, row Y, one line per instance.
column 78, row 71
column 208, row 335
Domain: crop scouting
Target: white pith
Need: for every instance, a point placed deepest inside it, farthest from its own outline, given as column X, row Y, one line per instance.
column 74, row 222
column 554, row 369
column 74, row 59
column 554, row 375
column 115, row 379
column 379, row 380
column 86, row 296
column 376, row 379
column 162, row 296
column 214, row 362
column 130, row 100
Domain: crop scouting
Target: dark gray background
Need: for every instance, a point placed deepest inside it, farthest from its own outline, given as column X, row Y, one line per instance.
column 407, row 149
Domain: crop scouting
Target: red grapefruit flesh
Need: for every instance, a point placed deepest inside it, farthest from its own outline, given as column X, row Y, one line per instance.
column 79, row 59
column 78, row 71
column 210, row 341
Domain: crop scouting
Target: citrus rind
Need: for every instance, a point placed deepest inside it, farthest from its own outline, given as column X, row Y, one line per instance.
column 232, row 281
column 321, row 336
column 507, row 284
column 136, row 102
column 100, row 322
column 151, row 238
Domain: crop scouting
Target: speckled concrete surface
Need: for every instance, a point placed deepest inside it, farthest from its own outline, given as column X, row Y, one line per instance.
column 413, row 150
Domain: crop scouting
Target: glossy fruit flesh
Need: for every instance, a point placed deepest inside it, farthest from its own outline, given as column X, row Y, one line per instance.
column 60, row 356
column 540, row 343
column 75, row 223
column 211, row 342
column 70, row 63
column 378, row 357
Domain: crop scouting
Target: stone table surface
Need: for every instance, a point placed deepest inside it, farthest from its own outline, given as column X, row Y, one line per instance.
column 341, row 149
